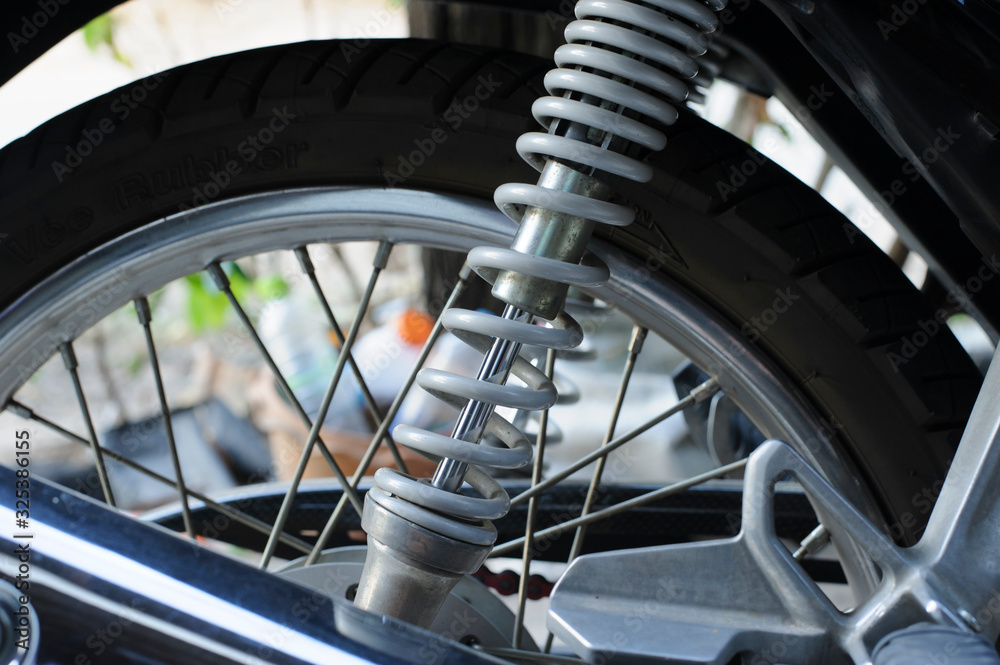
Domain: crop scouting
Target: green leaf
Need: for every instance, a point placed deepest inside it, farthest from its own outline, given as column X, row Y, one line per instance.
column 101, row 31
column 206, row 309
column 270, row 287
column 239, row 283
column 782, row 129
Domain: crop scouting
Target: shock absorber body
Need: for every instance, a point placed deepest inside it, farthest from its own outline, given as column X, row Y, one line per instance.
column 622, row 65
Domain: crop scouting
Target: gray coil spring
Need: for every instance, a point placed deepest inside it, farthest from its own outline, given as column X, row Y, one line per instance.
column 593, row 45
column 709, row 67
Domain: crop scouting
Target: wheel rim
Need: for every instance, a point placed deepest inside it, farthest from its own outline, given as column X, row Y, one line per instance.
column 136, row 264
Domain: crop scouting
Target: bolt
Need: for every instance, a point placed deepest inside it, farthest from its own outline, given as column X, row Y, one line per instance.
column 971, row 620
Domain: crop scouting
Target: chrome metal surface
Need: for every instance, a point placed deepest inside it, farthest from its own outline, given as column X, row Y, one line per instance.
column 701, row 602
column 419, row 567
column 471, row 614
column 496, row 366
column 553, row 235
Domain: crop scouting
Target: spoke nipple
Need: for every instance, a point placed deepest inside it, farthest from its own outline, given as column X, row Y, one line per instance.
column 218, row 276
column 812, row 543
column 305, row 261
column 382, row 256
column 143, row 311
column 69, row 357
column 638, row 337
column 21, row 410
column 970, row 620
column 705, row 390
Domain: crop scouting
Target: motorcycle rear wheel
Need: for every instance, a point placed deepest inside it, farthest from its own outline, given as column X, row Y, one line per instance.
column 803, row 320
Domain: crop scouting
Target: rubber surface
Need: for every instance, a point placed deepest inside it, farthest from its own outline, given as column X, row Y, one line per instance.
column 763, row 249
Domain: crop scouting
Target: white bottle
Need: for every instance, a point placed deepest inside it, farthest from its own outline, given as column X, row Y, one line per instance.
column 423, row 410
column 386, row 355
column 297, row 336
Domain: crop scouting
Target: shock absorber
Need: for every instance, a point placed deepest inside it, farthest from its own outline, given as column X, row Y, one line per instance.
column 623, row 64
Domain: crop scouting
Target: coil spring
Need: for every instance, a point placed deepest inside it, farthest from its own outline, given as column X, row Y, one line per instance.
column 709, row 68
column 598, row 41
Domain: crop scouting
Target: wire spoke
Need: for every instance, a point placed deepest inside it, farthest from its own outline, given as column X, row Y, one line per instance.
column 381, row 259
column 698, row 394
column 222, row 282
column 302, row 254
column 624, row 506
column 634, row 349
column 69, row 359
column 145, row 319
column 529, row 527
column 366, row 460
column 247, row 520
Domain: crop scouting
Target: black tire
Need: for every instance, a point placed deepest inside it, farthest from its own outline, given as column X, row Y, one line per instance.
column 347, row 115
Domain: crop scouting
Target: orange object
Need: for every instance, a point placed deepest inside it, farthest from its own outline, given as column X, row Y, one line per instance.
column 414, row 326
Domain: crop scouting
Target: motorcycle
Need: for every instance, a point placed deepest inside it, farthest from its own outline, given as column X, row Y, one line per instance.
column 793, row 320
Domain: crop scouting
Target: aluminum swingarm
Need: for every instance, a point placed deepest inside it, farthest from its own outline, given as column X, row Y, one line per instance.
column 747, row 594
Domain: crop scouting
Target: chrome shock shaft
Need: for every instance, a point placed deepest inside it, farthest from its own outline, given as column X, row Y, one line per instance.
column 622, row 65
column 469, row 427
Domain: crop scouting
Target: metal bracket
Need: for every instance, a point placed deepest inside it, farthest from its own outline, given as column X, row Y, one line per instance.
column 707, row 602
